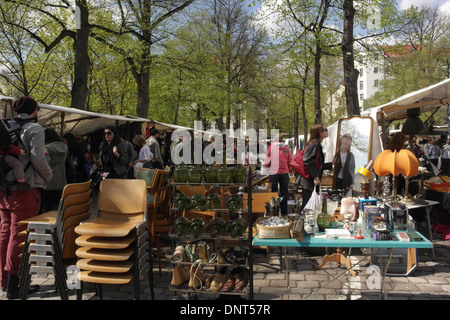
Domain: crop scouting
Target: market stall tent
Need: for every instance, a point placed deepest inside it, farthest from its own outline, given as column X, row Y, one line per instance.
column 63, row 119
column 429, row 99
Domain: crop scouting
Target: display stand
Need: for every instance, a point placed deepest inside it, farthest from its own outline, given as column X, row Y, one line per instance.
column 244, row 240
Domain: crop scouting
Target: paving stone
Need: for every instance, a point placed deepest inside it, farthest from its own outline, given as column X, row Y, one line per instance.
column 431, row 280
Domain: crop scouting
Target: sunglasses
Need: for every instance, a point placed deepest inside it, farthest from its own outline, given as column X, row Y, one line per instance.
column 108, row 133
column 325, row 129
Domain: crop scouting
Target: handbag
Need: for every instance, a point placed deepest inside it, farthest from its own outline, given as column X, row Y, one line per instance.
column 299, row 166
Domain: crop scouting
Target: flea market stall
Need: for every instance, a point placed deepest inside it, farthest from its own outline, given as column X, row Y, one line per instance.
column 369, row 211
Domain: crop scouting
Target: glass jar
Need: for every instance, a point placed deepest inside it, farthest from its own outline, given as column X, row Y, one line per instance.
column 224, row 175
column 210, row 174
column 195, row 174
column 240, row 174
column 180, row 174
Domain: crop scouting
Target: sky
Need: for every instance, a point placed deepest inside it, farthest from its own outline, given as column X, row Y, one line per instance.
column 442, row 4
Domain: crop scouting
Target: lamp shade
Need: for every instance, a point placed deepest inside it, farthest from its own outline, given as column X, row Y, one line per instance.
column 412, row 126
column 393, row 162
column 366, row 174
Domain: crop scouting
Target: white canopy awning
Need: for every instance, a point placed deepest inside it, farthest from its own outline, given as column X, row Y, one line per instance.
column 63, row 119
column 428, row 99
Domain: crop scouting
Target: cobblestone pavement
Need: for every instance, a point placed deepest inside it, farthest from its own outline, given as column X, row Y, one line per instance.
column 430, row 281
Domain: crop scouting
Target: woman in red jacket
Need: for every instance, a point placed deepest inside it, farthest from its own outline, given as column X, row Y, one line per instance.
column 278, row 160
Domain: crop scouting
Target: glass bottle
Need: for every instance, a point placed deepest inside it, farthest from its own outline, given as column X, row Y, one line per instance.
column 324, row 220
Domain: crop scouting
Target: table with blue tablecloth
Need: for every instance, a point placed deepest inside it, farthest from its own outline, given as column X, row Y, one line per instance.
column 321, row 241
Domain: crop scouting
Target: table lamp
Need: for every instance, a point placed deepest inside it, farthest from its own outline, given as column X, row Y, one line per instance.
column 396, row 162
column 366, row 174
column 365, row 171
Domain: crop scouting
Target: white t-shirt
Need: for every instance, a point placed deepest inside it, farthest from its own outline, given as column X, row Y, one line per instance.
column 343, row 159
column 145, row 153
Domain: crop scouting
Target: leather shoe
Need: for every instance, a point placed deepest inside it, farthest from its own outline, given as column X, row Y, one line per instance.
column 229, row 284
column 240, row 279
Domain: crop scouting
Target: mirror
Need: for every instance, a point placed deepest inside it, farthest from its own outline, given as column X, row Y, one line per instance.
column 353, row 151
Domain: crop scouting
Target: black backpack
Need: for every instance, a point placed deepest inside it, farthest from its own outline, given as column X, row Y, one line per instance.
column 9, row 134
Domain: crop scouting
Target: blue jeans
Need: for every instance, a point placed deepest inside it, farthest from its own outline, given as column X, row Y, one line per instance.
column 282, row 180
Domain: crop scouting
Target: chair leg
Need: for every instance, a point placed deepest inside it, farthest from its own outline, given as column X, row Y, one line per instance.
column 150, row 269
column 99, row 290
column 158, row 248
column 24, row 267
column 136, row 280
column 79, row 291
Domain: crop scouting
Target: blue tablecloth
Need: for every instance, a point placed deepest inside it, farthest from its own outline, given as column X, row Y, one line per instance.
column 321, row 241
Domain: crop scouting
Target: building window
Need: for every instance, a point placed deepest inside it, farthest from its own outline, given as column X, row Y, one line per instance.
column 361, row 72
column 375, row 70
column 375, row 83
column 361, row 85
column 361, row 96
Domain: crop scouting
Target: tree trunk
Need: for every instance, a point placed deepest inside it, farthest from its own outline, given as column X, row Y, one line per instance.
column 143, row 89
column 317, row 104
column 305, row 120
column 350, row 73
column 82, row 62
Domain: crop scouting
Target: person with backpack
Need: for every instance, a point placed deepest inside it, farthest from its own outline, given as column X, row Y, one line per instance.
column 23, row 201
column 314, row 161
column 278, row 160
column 9, row 153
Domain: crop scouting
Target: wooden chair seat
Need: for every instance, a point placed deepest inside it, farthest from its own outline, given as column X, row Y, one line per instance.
column 105, row 278
column 48, row 217
column 105, row 266
column 104, row 243
column 105, row 254
column 104, row 227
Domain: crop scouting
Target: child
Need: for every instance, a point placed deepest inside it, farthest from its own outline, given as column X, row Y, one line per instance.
column 9, row 154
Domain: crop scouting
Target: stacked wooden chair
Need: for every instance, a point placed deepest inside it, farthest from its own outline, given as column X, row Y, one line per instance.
column 49, row 240
column 159, row 221
column 157, row 204
column 114, row 246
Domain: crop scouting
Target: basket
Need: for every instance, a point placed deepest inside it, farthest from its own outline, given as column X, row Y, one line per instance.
column 265, row 232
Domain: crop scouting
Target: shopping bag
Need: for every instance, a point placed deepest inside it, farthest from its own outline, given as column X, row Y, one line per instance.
column 314, row 201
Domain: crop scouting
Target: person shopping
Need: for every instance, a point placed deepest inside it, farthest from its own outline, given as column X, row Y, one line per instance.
column 57, row 152
column 144, row 156
column 23, row 201
column 113, row 155
column 313, row 151
column 278, row 161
